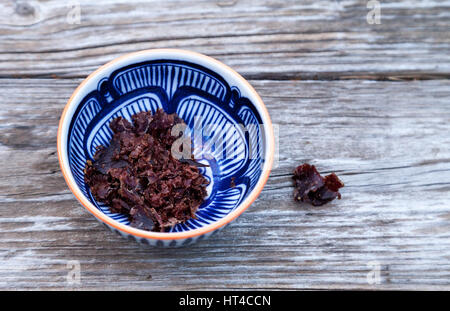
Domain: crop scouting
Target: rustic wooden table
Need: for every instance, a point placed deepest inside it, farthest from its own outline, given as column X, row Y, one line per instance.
column 365, row 97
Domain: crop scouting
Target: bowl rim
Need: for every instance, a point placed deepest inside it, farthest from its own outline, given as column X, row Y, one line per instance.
column 212, row 62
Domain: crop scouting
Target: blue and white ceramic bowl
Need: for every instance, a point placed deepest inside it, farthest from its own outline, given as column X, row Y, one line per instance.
column 236, row 137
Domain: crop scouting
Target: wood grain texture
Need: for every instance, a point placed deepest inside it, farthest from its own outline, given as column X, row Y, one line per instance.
column 391, row 151
column 262, row 39
column 319, row 68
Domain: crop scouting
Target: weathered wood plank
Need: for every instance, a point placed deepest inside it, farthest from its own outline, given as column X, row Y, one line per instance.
column 261, row 39
column 388, row 141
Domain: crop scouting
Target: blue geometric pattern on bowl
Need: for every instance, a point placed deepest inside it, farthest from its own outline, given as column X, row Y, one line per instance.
column 191, row 91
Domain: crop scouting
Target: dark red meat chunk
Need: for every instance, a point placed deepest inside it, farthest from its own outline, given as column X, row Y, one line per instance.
column 136, row 174
column 233, row 182
column 312, row 188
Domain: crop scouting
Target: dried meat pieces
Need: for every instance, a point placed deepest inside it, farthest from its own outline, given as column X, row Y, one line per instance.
column 137, row 175
column 312, row 188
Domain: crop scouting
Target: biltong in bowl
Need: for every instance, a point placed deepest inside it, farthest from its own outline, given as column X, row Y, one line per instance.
column 227, row 133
